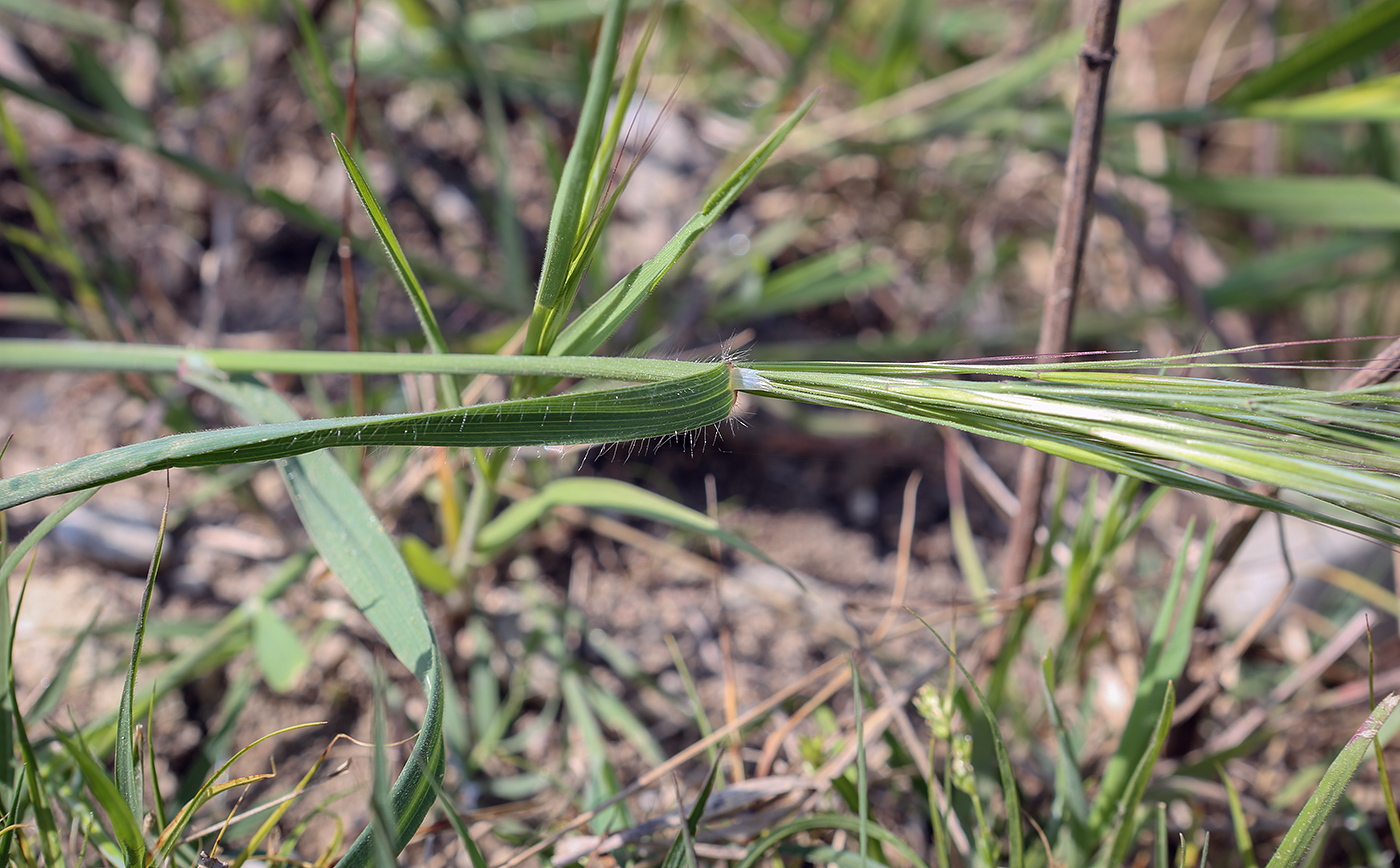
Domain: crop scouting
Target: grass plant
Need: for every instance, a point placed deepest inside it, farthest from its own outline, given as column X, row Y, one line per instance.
column 578, row 376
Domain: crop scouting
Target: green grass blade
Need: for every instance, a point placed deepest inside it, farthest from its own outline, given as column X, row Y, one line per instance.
column 363, row 557
column 601, row 784
column 382, row 815
column 7, row 837
column 490, row 23
column 1272, row 280
column 1383, row 773
column 602, row 173
column 32, row 539
column 1077, row 573
column 212, row 786
column 127, row 764
column 697, row 708
column 402, row 267
column 215, row 747
column 10, row 715
column 1071, row 806
column 278, row 650
column 1167, row 652
column 426, row 566
column 1159, row 842
column 478, row 859
column 888, row 121
column 273, row 818
column 682, row 852
column 218, row 644
column 588, row 332
column 1015, row 837
column 568, row 217
column 600, row 493
column 1337, row 448
column 52, row 240
column 1125, row 826
column 50, row 842
column 635, row 412
column 862, row 784
column 96, row 83
column 814, row 281
column 615, row 714
column 1244, row 843
column 1370, row 28
column 1305, row 831
column 1376, row 100
column 14, row 727
column 825, row 854
column 101, row 356
column 79, row 21
column 968, row 559
column 1156, row 435
column 49, row 697
column 1337, row 202
column 819, row 822
column 125, row 826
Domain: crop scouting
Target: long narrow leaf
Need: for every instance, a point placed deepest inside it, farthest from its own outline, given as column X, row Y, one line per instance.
column 1338, row 202
column 125, row 826
column 50, row 841
column 212, row 786
column 16, row 354
column 568, row 215
column 603, row 317
column 1374, row 26
column 599, row 493
column 1125, row 828
column 1338, row 449
column 596, row 212
column 402, row 267
column 478, row 859
column 1244, row 843
column 862, row 784
column 7, row 835
column 1163, row 430
column 1167, row 652
column 41, row 530
column 1377, row 99
column 631, row 413
column 1009, row 792
column 127, row 764
column 818, row 822
column 682, row 851
column 1304, row 832
column 364, row 558
column 1070, row 807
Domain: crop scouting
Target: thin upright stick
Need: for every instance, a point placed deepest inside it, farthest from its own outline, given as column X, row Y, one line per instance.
column 1071, row 235
column 349, row 289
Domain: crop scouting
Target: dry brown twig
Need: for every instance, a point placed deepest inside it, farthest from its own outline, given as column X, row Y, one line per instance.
column 349, row 290
column 1071, row 236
